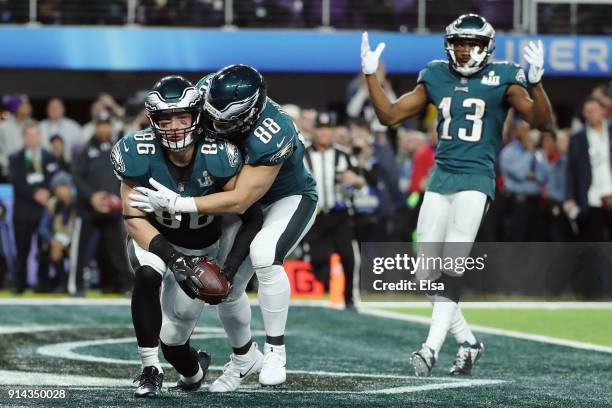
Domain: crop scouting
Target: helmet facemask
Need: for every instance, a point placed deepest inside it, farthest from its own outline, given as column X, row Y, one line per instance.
column 237, row 118
column 475, row 28
column 157, row 109
column 234, row 100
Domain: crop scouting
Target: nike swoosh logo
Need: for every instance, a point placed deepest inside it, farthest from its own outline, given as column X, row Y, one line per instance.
column 127, row 149
column 247, row 372
column 280, row 143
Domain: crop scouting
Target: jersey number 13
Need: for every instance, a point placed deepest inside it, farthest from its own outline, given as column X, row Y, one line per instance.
column 476, row 117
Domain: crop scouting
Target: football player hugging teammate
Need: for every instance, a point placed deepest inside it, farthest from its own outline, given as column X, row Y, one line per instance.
column 472, row 95
column 164, row 248
column 236, row 108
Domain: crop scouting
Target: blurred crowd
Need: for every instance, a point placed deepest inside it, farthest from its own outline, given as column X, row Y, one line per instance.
column 551, row 186
column 370, row 14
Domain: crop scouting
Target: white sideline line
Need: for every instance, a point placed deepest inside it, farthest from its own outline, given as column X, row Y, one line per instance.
column 497, row 305
column 491, row 330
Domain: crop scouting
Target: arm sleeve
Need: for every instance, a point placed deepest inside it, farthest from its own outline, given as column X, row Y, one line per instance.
column 252, row 221
column 516, row 76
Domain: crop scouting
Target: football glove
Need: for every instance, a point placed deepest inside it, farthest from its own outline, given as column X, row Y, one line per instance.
column 369, row 58
column 161, row 198
column 534, row 55
column 182, row 269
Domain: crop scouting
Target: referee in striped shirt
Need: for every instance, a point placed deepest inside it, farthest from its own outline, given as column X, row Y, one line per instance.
column 335, row 170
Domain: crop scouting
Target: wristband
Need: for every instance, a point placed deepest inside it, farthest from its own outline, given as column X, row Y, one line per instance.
column 162, row 248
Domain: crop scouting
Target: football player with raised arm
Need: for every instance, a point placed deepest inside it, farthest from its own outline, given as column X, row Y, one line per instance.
column 162, row 248
column 236, row 108
column 473, row 95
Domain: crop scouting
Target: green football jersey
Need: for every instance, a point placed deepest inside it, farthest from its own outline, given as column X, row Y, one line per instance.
column 471, row 115
column 139, row 156
column 274, row 139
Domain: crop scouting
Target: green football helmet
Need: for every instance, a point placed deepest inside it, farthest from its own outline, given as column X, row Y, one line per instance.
column 174, row 94
column 235, row 98
column 473, row 27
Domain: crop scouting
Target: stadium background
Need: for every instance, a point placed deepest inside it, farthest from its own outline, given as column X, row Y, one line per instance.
column 309, row 53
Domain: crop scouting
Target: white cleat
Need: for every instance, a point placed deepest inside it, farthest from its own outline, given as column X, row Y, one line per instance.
column 237, row 369
column 273, row 371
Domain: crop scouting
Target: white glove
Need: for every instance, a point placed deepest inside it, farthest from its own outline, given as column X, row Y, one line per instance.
column 534, row 55
column 162, row 198
column 369, row 58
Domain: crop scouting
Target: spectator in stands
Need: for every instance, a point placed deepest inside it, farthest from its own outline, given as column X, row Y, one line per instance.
column 3, row 255
column 56, row 229
column 105, row 105
column 336, row 174
column 417, row 157
column 358, row 99
column 98, row 213
column 19, row 114
column 58, row 149
column 58, row 124
column 556, row 188
column 524, row 170
column 589, row 187
column 370, row 217
column 31, row 169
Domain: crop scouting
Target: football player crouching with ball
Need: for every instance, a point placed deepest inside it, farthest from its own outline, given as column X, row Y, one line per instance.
column 472, row 95
column 237, row 109
column 171, row 253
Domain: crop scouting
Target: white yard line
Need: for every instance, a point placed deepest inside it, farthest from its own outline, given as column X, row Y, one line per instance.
column 491, row 330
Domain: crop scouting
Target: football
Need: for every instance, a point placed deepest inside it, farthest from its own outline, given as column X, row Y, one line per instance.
column 215, row 285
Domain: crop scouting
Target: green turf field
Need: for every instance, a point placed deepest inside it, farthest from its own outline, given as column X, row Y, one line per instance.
column 588, row 325
column 336, row 358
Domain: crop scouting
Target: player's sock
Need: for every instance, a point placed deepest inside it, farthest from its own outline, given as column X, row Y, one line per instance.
column 146, row 314
column 150, row 357
column 441, row 317
column 461, row 330
column 275, row 340
column 184, row 359
column 241, row 351
column 235, row 317
column 274, row 295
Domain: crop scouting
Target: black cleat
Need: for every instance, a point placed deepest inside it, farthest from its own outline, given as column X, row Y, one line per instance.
column 149, row 383
column 204, row 360
column 467, row 355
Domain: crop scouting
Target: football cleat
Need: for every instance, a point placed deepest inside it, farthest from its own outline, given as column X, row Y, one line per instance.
column 237, row 369
column 467, row 355
column 149, row 383
column 423, row 361
column 204, row 361
column 273, row 371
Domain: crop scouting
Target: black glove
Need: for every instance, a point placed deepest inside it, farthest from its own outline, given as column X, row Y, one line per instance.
column 182, row 268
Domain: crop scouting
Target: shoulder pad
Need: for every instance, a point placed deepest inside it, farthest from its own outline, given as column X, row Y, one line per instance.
column 223, row 159
column 127, row 162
